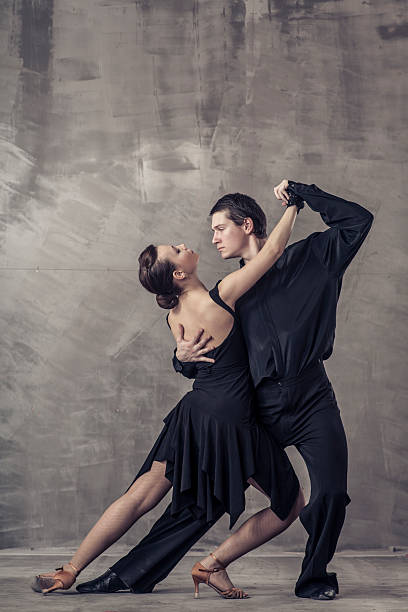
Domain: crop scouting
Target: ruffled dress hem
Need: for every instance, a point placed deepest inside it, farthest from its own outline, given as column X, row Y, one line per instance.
column 210, row 463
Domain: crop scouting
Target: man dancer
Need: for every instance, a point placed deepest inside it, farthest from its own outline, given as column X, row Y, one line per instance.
column 288, row 320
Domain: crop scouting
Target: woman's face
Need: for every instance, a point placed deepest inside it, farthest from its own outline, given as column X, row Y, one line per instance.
column 183, row 258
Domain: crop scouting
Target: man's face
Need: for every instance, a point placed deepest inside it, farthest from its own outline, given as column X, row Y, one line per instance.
column 229, row 238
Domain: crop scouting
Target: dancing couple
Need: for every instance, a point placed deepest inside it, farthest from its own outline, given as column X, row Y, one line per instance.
column 259, row 386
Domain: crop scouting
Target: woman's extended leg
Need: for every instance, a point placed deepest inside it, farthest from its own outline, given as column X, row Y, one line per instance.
column 144, row 494
column 258, row 529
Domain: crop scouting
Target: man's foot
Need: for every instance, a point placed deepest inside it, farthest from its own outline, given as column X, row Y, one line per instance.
column 109, row 582
column 324, row 593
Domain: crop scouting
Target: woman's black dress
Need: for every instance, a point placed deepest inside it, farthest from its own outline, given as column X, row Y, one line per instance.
column 213, row 444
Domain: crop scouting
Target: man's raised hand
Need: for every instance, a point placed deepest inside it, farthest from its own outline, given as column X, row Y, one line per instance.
column 192, row 350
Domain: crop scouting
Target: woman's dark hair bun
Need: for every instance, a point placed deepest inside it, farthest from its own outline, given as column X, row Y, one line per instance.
column 167, row 300
column 157, row 277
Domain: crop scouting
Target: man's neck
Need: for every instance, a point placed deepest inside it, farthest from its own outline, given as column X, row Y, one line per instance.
column 254, row 246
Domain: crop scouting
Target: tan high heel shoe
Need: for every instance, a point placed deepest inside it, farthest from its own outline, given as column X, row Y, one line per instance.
column 60, row 579
column 200, row 573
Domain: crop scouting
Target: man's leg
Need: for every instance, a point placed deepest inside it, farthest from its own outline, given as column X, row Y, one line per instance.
column 159, row 552
column 304, row 412
column 324, row 449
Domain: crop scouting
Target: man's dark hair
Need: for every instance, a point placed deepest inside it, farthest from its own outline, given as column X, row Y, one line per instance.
column 240, row 206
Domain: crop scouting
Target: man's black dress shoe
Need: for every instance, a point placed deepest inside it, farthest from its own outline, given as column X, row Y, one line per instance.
column 109, row 582
column 324, row 593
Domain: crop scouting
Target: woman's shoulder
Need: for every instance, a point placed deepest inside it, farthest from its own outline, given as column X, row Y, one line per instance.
column 194, row 311
column 200, row 313
column 217, row 294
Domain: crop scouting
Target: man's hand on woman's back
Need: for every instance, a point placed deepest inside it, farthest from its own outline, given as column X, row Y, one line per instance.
column 193, row 350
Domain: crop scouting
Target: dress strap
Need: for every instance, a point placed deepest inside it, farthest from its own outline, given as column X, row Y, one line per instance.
column 214, row 294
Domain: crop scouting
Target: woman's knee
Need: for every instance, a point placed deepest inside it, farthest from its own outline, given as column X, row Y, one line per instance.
column 253, row 482
column 300, row 502
column 150, row 487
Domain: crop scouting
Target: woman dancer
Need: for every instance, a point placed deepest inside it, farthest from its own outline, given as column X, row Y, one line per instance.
column 211, row 448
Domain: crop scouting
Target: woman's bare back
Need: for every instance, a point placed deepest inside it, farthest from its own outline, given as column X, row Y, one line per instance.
column 201, row 312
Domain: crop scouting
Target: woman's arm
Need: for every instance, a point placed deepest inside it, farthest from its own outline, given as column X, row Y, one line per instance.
column 237, row 283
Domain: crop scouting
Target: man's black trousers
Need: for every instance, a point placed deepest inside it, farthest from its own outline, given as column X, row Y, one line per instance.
column 300, row 411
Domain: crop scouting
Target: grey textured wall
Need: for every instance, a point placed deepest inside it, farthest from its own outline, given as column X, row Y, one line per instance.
column 121, row 123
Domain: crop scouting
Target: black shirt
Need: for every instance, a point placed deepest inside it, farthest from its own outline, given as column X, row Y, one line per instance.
column 288, row 317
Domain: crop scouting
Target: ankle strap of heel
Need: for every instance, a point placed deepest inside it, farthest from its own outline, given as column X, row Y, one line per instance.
column 76, row 570
column 215, row 558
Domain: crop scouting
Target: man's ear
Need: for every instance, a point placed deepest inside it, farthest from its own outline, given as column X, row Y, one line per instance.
column 248, row 225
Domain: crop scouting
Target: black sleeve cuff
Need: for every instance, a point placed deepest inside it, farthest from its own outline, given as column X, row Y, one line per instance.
column 186, row 368
column 177, row 365
column 294, row 200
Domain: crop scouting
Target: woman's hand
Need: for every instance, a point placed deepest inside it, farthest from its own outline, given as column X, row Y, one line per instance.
column 280, row 191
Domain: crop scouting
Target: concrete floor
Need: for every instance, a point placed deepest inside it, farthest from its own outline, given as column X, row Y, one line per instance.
column 369, row 582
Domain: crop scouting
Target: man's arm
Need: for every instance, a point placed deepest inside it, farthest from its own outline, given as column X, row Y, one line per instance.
column 188, row 350
column 349, row 225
